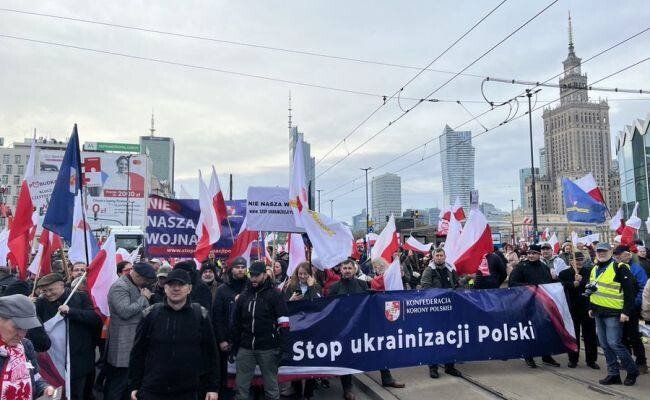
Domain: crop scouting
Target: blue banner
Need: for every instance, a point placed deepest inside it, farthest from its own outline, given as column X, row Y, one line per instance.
column 366, row 332
column 580, row 206
column 171, row 225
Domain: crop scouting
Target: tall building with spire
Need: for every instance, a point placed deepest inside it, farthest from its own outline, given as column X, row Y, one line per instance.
column 576, row 134
column 162, row 152
column 457, row 157
column 309, row 162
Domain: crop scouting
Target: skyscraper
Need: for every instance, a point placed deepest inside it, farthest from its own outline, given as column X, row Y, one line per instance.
column 386, row 198
column 576, row 133
column 524, row 175
column 162, row 152
column 457, row 156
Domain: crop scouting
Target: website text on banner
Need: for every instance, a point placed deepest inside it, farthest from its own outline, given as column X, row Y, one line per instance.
column 408, row 328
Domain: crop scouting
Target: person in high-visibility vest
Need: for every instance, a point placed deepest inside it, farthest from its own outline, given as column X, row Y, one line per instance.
column 611, row 292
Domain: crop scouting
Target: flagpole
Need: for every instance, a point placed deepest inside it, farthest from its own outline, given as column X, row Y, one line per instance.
column 83, row 218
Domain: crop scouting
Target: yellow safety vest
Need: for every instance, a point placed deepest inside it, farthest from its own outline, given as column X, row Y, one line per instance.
column 609, row 293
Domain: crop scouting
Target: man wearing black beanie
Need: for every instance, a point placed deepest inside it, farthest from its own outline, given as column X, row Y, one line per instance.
column 200, row 291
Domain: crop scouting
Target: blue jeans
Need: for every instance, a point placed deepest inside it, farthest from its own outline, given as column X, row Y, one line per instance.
column 610, row 336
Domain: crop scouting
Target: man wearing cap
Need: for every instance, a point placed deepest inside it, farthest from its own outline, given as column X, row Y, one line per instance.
column 155, row 263
column 222, row 309
column 261, row 325
column 574, row 282
column 158, row 295
column 174, row 356
column 127, row 298
column 631, row 334
column 612, row 304
column 533, row 271
column 84, row 326
column 19, row 377
column 200, row 291
column 555, row 263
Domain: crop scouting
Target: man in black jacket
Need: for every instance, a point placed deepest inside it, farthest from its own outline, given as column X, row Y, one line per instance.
column 574, row 282
column 261, row 323
column 174, row 355
column 84, row 327
column 533, row 272
column 498, row 273
column 200, row 291
column 222, row 313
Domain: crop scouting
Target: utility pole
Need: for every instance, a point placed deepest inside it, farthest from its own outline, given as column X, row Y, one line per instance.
column 367, row 207
column 332, row 208
column 529, row 94
column 512, row 219
column 318, row 191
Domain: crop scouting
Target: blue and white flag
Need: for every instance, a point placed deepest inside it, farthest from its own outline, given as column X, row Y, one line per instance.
column 580, row 206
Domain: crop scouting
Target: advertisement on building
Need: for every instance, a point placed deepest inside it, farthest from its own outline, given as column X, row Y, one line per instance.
column 111, row 182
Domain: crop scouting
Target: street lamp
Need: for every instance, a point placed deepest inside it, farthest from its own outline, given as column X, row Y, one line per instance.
column 529, row 94
column 128, row 186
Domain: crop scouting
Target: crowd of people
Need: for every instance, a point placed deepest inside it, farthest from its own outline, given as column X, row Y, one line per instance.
column 174, row 331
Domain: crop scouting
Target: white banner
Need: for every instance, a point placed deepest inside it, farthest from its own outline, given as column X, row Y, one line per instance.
column 268, row 210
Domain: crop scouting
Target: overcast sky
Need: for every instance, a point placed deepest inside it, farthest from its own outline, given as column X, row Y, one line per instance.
column 239, row 124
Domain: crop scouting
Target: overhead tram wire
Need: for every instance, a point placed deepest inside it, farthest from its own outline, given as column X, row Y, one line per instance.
column 381, row 105
column 233, row 42
column 499, row 125
column 493, row 105
column 439, row 87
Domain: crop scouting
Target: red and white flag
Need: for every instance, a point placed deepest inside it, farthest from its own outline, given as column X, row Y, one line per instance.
column 123, row 255
column 217, row 197
column 81, row 233
column 545, row 236
column 393, row 276
column 632, row 226
column 298, row 196
column 49, row 242
column 101, row 275
column 555, row 243
column 458, row 211
column 388, row 243
column 296, row 252
column 4, row 248
column 55, row 363
column 617, row 223
column 417, row 246
column 23, row 227
column 474, row 243
column 243, row 244
column 588, row 184
column 208, row 228
column 452, row 242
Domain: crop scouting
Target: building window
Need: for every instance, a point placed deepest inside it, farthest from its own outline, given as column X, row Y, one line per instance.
column 5, row 179
column 17, row 159
column 8, row 168
column 7, row 190
column 21, row 169
column 16, row 180
column 5, row 158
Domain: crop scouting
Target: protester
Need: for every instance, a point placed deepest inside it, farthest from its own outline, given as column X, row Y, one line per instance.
column 78, row 269
column 20, row 378
column 631, row 334
column 533, row 271
column 555, row 263
column 39, row 338
column 84, row 327
column 574, row 282
column 155, row 263
column 642, row 254
column 209, row 277
column 124, row 267
column 191, row 368
column 302, row 285
column 497, row 272
column 200, row 292
column 280, row 273
column 440, row 275
column 261, row 323
column 566, row 252
column 6, row 278
column 222, row 310
column 158, row 294
column 645, row 307
column 611, row 304
column 127, row 298
column 513, row 261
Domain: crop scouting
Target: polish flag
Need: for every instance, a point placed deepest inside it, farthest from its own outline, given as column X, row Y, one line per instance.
column 617, row 223
column 555, row 243
column 457, row 210
column 452, row 242
column 208, row 228
column 545, row 235
column 387, row 244
column 42, row 263
column 355, row 250
column 632, row 226
column 23, row 228
column 4, row 248
column 269, row 241
column 243, row 244
column 393, row 276
column 445, row 213
column 102, row 273
column 217, row 197
column 296, row 252
column 82, row 237
column 417, row 246
column 475, row 242
column 588, row 184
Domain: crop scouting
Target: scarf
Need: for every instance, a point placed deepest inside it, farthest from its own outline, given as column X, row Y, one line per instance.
column 15, row 379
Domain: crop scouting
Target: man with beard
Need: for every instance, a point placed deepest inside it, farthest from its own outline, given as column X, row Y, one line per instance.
column 533, row 272
column 222, row 309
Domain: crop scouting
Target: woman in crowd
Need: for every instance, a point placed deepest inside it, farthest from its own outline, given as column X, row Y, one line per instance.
column 279, row 273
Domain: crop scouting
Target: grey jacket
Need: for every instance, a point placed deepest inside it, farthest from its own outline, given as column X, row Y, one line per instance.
column 126, row 305
column 431, row 278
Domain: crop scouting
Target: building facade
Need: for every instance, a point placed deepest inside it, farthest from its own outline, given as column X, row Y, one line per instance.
column 524, row 175
column 576, row 134
column 457, row 158
column 543, row 171
column 162, row 152
column 632, row 152
column 386, row 198
column 309, row 162
column 359, row 221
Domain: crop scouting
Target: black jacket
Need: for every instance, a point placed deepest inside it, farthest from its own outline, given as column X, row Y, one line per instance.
column 577, row 302
column 223, row 308
column 498, row 273
column 530, row 273
column 313, row 292
column 201, row 294
column 174, row 352
column 261, row 318
column 85, row 328
column 440, row 278
column 348, row 286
